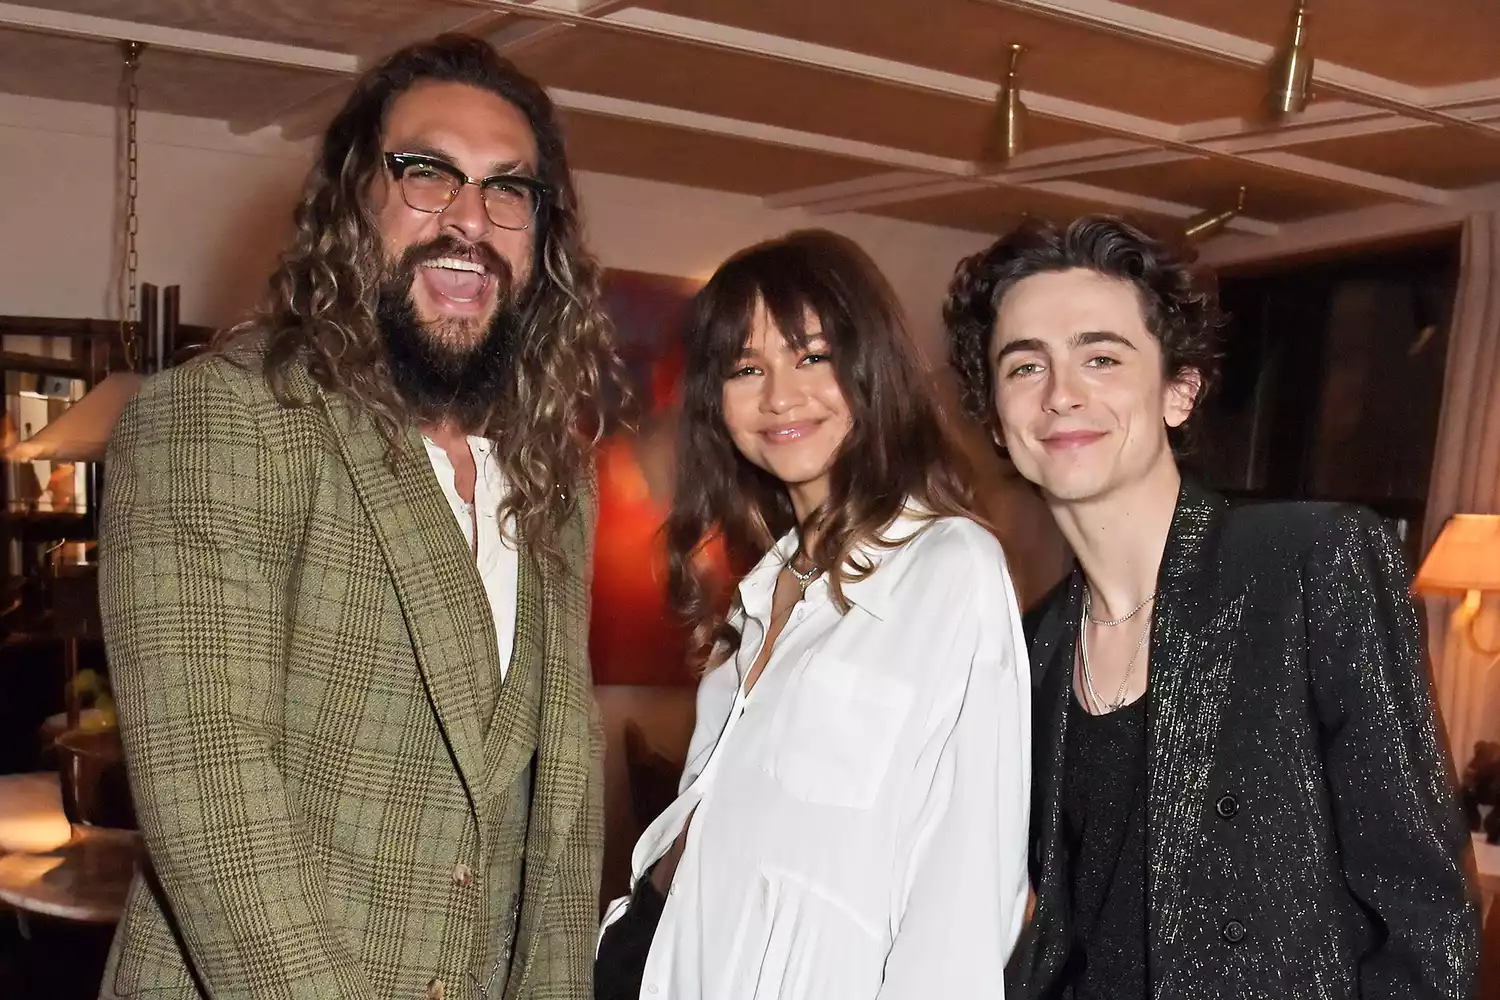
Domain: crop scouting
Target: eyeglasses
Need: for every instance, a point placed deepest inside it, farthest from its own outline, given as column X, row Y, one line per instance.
column 431, row 185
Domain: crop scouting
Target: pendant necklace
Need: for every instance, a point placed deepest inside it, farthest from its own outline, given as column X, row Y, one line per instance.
column 802, row 578
column 1083, row 650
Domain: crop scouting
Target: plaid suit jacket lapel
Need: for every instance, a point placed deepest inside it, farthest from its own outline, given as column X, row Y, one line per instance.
column 564, row 741
column 441, row 595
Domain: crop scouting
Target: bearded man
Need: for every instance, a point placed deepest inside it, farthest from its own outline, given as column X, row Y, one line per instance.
column 344, row 579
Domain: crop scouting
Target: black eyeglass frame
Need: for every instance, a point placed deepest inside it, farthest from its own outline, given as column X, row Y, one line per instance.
column 399, row 163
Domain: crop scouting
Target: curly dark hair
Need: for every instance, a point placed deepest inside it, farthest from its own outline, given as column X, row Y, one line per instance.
column 896, row 448
column 1179, row 301
column 321, row 308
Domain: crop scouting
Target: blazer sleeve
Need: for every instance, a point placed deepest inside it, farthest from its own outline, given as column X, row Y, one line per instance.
column 1404, row 846
column 196, row 541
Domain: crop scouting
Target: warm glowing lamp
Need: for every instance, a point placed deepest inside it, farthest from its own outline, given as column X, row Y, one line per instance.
column 32, row 820
column 1464, row 559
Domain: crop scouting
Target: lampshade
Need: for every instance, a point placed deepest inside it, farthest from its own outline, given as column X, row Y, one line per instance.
column 1465, row 557
column 82, row 432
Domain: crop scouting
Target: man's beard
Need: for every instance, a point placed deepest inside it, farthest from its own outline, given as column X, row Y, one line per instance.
column 441, row 372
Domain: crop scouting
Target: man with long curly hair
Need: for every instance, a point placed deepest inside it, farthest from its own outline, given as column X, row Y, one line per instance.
column 1240, row 787
column 344, row 579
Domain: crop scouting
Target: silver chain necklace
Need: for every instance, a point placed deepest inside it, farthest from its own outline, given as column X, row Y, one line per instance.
column 1112, row 622
column 1083, row 649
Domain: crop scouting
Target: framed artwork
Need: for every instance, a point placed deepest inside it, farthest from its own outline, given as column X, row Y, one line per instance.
column 634, row 638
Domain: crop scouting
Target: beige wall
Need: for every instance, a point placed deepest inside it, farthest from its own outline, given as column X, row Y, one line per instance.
column 214, row 210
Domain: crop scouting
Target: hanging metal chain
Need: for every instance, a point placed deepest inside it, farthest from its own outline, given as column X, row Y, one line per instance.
column 129, row 259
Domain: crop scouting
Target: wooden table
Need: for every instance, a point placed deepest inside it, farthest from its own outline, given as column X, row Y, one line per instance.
column 85, row 880
column 80, row 873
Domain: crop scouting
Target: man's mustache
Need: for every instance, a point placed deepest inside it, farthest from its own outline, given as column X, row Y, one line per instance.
column 482, row 254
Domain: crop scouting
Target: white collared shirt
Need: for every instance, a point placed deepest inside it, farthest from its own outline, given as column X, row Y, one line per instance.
column 496, row 559
column 859, row 818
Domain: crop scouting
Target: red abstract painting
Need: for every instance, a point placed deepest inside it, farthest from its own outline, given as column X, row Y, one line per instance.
column 634, row 638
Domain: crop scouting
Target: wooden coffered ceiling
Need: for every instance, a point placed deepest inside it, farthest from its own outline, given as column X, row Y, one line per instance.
column 885, row 106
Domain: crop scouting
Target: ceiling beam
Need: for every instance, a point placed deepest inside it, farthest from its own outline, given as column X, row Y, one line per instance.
column 734, row 128
column 615, row 107
column 1339, row 120
column 1334, row 120
column 1079, row 191
column 1124, row 21
column 530, row 33
column 1342, row 229
column 509, row 34
column 1162, row 141
column 657, row 25
column 58, row 22
column 322, row 101
column 310, row 113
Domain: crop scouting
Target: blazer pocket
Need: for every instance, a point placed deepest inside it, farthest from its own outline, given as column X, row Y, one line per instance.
column 835, row 732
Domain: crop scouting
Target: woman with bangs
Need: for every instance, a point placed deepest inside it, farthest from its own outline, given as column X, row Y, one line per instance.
column 853, row 813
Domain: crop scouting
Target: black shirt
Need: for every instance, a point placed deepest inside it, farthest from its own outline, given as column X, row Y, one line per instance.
column 620, row 964
column 1104, row 829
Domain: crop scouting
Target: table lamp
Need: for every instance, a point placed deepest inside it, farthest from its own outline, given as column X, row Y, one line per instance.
column 1464, row 559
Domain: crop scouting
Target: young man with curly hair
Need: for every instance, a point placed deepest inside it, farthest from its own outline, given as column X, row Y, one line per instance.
column 1240, row 787
column 344, row 565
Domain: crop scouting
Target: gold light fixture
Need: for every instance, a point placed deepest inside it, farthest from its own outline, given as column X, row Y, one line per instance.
column 1291, row 70
column 1206, row 224
column 1010, row 114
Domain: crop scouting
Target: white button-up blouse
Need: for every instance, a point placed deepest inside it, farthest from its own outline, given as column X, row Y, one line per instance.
column 859, row 818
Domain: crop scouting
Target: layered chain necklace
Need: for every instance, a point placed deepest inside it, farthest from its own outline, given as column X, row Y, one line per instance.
column 1083, row 647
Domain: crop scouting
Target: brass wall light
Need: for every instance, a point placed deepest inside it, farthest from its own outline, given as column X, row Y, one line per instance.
column 1291, row 69
column 1206, row 224
column 1010, row 114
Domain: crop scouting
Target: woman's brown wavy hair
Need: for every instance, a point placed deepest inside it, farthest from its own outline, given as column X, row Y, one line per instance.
column 320, row 311
column 896, row 449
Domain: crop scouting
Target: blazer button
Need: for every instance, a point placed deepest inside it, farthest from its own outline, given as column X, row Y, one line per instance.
column 436, row 989
column 463, row 876
column 1227, row 807
column 1234, row 932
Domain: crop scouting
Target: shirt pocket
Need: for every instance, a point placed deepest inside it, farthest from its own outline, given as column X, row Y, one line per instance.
column 836, row 731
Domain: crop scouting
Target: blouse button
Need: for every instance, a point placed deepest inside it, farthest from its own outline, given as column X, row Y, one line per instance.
column 1234, row 932
column 1227, row 807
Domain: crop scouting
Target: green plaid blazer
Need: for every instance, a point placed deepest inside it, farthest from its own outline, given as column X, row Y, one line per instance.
column 297, row 635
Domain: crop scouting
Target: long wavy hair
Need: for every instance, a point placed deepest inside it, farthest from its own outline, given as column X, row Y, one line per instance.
column 896, row 449
column 320, row 312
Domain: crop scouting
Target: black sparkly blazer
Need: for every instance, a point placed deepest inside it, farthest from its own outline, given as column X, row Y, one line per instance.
column 1303, row 837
